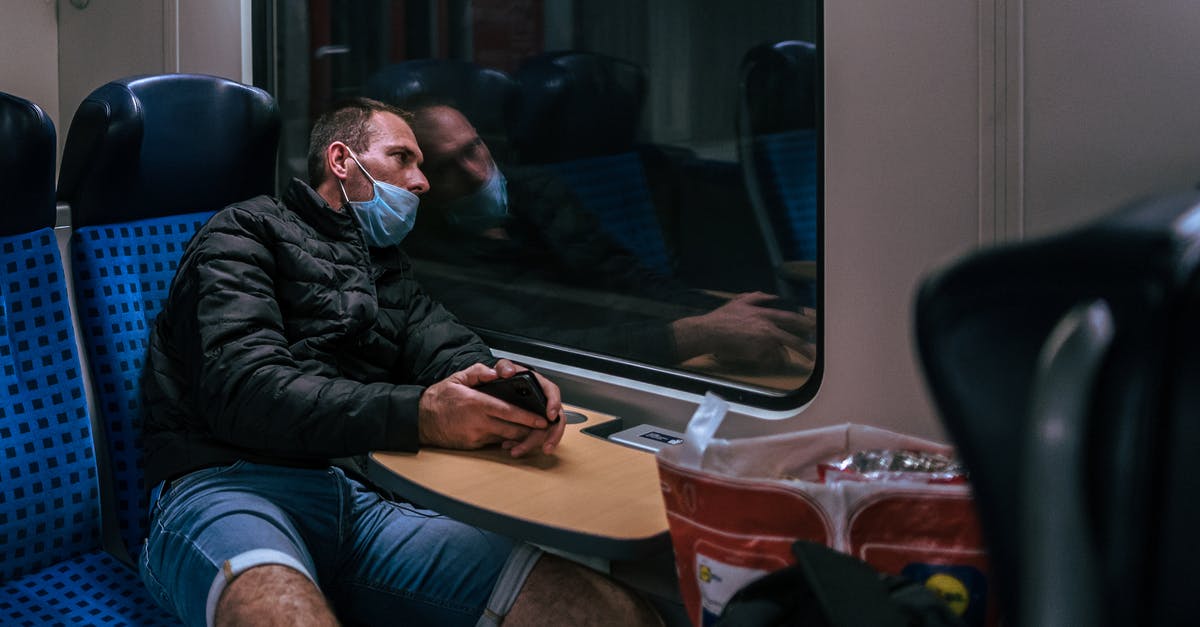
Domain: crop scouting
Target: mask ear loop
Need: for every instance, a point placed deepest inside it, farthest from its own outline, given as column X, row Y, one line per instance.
column 360, row 167
column 344, row 194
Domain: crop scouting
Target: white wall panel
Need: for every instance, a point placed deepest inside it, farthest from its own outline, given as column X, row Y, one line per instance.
column 29, row 53
column 112, row 39
column 210, row 37
column 104, row 41
column 1111, row 106
column 902, row 193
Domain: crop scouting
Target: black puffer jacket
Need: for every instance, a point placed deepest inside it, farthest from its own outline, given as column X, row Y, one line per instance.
column 284, row 341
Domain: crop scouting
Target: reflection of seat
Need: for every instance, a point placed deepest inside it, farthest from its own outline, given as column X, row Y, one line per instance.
column 1080, row 458
column 577, row 105
column 484, row 95
column 579, row 115
column 147, row 161
column 777, row 143
column 52, row 567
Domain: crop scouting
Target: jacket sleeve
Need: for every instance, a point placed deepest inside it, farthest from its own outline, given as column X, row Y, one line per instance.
column 251, row 390
column 539, row 313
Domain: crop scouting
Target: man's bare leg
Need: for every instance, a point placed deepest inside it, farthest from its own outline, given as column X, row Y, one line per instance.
column 273, row 595
column 560, row 592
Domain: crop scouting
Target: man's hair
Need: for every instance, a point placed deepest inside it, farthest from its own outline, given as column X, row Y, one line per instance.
column 420, row 108
column 348, row 121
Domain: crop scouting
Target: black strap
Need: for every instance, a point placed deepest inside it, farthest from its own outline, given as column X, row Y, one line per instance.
column 826, row 588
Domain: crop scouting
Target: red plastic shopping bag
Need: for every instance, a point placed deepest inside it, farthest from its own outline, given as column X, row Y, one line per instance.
column 735, row 507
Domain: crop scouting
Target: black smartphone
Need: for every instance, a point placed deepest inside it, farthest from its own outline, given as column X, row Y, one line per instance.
column 521, row 389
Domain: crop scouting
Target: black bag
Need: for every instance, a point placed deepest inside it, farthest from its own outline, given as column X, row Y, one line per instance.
column 826, row 588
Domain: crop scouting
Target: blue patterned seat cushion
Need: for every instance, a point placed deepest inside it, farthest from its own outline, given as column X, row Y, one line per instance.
column 789, row 185
column 49, row 494
column 122, row 275
column 91, row 589
column 615, row 190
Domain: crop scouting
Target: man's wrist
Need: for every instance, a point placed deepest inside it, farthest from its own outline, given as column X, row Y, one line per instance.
column 687, row 335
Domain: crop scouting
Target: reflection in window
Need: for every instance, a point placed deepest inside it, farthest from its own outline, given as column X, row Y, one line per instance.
column 629, row 186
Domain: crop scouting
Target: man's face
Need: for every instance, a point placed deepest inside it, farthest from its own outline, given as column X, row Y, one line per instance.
column 457, row 161
column 392, row 157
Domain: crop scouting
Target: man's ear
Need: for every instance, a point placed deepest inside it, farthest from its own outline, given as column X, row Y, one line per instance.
column 338, row 160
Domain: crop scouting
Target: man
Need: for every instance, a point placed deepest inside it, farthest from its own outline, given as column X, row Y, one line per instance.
column 527, row 226
column 293, row 334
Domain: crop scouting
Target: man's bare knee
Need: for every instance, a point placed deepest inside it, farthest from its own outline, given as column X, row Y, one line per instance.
column 270, row 595
column 560, row 592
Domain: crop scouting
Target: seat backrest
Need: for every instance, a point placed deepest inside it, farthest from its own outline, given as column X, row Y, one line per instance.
column 778, row 144
column 49, row 491
column 147, row 161
column 615, row 189
column 485, row 96
column 577, row 105
column 167, row 145
column 981, row 326
column 28, row 184
column 579, row 114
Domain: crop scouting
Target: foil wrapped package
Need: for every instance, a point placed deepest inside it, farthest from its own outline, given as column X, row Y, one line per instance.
column 893, row 465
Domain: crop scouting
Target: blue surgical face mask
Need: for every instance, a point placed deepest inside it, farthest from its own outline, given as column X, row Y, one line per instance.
column 390, row 214
column 483, row 209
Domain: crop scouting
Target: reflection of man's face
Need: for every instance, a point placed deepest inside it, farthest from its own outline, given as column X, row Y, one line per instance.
column 457, row 162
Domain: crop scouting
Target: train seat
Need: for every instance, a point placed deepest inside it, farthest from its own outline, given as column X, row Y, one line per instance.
column 485, row 96
column 578, row 115
column 1064, row 368
column 146, row 162
column 778, row 146
column 53, row 569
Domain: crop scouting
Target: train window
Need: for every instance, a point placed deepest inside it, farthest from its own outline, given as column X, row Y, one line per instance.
column 631, row 187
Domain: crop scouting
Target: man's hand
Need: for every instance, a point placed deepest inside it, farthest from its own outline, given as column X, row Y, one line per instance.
column 454, row 415
column 742, row 330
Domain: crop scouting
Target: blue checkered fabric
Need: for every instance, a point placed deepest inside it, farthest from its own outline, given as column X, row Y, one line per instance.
column 92, row 589
column 122, row 273
column 52, row 571
column 789, row 187
column 615, row 190
column 48, row 490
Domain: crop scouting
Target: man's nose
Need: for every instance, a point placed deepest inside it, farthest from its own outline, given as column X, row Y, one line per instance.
column 418, row 184
column 477, row 171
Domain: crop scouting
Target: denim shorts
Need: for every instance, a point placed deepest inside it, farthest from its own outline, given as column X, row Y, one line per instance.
column 376, row 561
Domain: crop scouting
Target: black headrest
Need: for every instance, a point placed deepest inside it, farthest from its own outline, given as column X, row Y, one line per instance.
column 981, row 324
column 575, row 105
column 778, row 81
column 26, row 166
column 153, row 146
column 484, row 95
